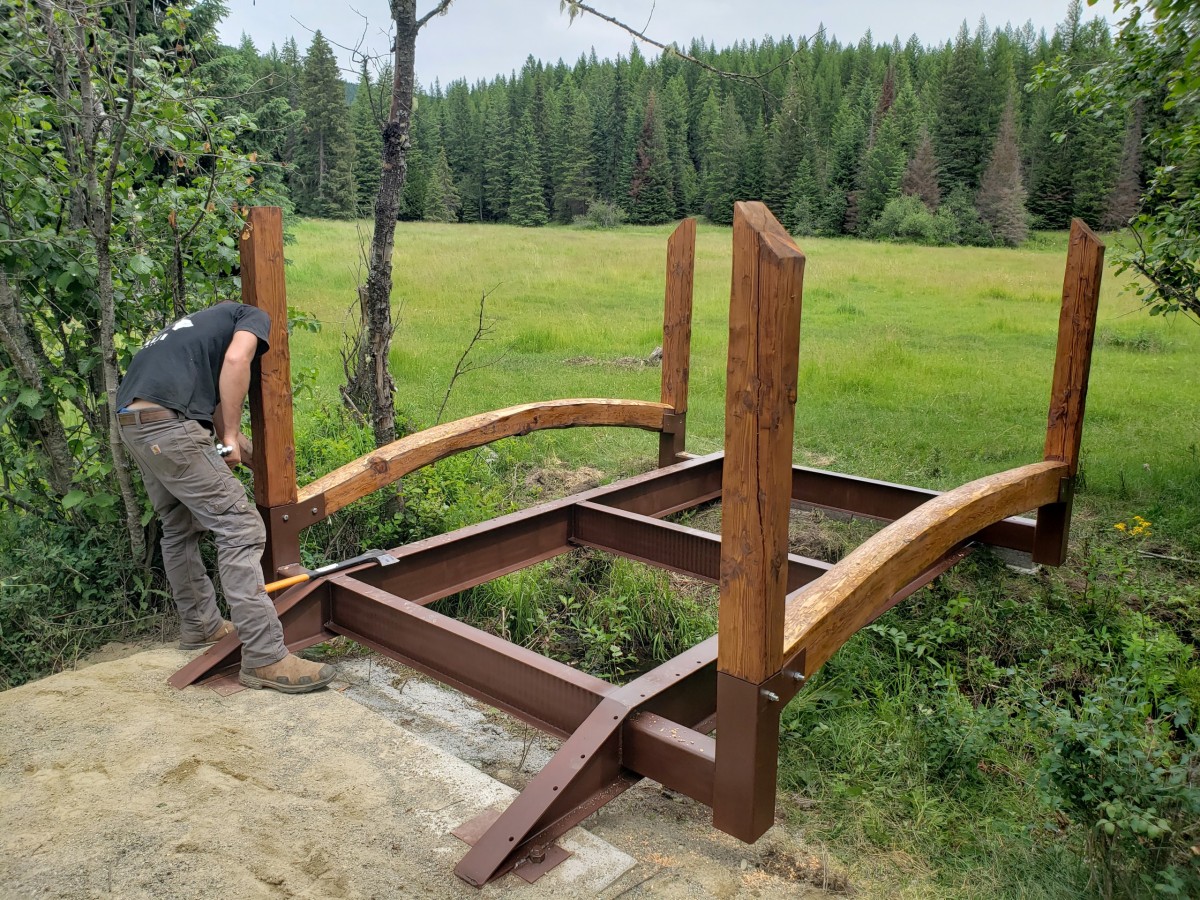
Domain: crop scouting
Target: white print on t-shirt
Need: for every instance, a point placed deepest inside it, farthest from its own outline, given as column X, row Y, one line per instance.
column 162, row 335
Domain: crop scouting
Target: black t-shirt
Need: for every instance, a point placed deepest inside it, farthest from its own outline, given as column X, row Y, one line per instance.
column 180, row 367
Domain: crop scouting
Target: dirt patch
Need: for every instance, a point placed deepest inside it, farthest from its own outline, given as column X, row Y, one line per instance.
column 113, row 784
column 554, row 480
column 620, row 362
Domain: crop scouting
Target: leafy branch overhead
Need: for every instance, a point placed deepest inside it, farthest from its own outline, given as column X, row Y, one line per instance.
column 1154, row 79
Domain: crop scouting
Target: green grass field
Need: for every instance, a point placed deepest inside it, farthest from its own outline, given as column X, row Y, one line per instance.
column 969, row 743
column 927, row 366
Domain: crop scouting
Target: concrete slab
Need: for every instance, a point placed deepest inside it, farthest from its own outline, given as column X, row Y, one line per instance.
column 112, row 784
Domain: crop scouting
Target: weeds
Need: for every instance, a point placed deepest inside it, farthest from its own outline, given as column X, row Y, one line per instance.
column 611, row 617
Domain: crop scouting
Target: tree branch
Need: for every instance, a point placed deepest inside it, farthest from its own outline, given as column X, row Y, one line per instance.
column 482, row 332
column 438, row 10
column 574, row 9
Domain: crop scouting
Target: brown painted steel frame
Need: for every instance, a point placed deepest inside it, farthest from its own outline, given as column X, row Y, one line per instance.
column 658, row 725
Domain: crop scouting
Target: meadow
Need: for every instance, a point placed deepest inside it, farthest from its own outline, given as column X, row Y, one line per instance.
column 927, row 366
column 996, row 735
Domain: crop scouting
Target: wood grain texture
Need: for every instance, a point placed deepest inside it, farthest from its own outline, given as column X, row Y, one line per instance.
column 760, row 401
column 824, row 614
column 1076, row 332
column 677, row 338
column 677, row 316
column 263, row 286
column 388, row 464
column 1068, row 392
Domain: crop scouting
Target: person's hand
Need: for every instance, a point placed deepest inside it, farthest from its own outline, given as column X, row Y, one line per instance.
column 233, row 458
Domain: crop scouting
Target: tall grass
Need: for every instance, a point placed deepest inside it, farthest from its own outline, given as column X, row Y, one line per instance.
column 922, row 365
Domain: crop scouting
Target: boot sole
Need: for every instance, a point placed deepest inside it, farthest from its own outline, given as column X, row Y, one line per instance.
column 253, row 681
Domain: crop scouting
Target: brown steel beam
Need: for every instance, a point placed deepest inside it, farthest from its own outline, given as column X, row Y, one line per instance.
column 682, row 486
column 437, row 567
column 667, row 545
column 545, row 693
column 882, row 500
column 626, row 738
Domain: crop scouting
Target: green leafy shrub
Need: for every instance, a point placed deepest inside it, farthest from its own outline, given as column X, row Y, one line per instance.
column 1124, row 767
column 601, row 214
column 905, row 219
column 65, row 590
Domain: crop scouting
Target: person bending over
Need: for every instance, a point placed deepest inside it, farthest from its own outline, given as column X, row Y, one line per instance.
column 187, row 382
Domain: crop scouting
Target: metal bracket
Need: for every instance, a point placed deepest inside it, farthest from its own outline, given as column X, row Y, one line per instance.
column 284, row 524
column 1066, row 489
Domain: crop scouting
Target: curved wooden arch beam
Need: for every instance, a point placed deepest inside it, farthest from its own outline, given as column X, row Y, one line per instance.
column 825, row 613
column 388, row 464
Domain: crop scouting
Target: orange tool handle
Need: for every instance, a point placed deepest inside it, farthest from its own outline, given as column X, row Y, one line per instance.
column 286, row 583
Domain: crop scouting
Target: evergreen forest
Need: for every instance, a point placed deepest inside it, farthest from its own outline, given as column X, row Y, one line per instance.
column 960, row 142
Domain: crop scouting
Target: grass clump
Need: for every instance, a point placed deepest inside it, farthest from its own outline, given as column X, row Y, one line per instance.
column 613, row 618
column 1036, row 738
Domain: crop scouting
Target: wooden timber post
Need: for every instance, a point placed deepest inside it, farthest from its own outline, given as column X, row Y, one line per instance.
column 760, row 405
column 271, row 424
column 1068, row 395
column 677, row 340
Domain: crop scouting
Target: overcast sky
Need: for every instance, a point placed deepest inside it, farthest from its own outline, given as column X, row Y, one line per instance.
column 483, row 38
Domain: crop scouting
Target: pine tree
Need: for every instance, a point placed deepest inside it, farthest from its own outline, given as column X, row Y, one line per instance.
column 786, row 138
column 527, row 203
column 442, row 202
column 652, row 201
column 803, row 213
column 722, row 165
column 849, row 134
column 1126, row 195
column 366, row 116
column 674, row 115
column 963, row 124
column 497, row 161
column 921, row 178
column 323, row 183
column 883, row 170
column 573, row 165
column 1001, row 200
column 463, row 140
column 753, row 173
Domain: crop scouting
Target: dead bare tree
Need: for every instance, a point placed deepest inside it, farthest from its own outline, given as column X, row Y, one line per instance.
column 371, row 388
column 483, row 331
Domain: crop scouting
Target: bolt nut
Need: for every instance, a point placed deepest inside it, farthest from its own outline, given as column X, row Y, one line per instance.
column 313, row 510
column 798, row 677
column 537, row 854
column 772, row 696
column 285, row 518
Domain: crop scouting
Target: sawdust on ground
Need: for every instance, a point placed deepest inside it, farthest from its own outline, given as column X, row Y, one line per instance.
column 112, row 784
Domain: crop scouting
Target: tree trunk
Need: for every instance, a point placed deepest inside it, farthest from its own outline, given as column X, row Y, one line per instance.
column 372, row 381
column 108, row 351
column 29, row 361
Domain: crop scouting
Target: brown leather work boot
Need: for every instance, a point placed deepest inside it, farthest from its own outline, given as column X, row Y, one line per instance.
column 291, row 675
column 225, row 628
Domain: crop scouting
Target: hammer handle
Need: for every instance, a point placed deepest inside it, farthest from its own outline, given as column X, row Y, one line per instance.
column 286, row 583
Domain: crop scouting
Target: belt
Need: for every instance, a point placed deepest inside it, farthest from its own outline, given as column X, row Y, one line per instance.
column 146, row 415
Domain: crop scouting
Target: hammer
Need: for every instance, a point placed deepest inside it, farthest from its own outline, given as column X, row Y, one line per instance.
column 379, row 557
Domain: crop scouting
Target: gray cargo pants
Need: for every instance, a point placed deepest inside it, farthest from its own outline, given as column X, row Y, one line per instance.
column 193, row 491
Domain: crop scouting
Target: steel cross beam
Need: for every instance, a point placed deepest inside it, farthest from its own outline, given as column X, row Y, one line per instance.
column 656, row 726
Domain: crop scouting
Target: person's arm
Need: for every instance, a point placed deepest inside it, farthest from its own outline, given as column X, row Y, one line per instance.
column 235, row 382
